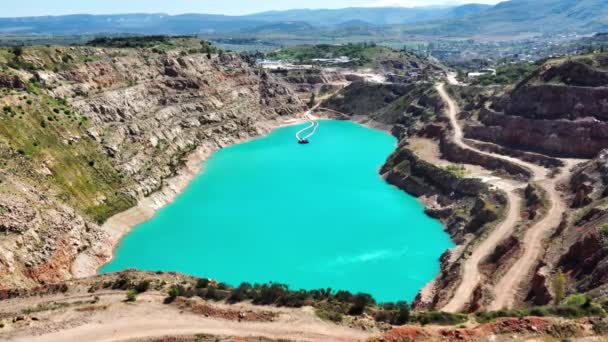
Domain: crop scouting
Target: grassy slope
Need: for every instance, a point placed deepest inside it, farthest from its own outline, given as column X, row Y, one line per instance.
column 362, row 54
column 45, row 133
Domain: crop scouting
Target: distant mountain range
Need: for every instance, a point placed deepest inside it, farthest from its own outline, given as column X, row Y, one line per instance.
column 206, row 23
column 517, row 16
column 507, row 17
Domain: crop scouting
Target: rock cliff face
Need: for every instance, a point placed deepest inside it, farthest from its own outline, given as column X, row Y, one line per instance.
column 549, row 101
column 560, row 110
column 404, row 107
column 582, row 138
column 87, row 132
column 312, row 80
column 465, row 205
column 455, row 153
column 584, row 243
column 562, row 89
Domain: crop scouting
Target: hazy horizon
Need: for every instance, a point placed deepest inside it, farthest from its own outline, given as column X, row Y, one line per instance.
column 35, row 8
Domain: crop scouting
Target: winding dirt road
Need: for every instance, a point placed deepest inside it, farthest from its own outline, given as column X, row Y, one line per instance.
column 506, row 289
column 113, row 320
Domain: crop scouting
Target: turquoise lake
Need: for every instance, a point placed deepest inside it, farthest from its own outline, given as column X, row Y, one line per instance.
column 310, row 216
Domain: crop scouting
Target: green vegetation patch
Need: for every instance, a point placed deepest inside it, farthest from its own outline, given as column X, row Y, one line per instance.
column 604, row 230
column 457, row 170
column 156, row 43
column 507, row 74
column 48, row 136
column 360, row 54
column 575, row 306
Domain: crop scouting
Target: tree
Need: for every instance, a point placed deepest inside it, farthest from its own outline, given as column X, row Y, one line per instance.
column 17, row 51
column 202, row 283
column 240, row 293
column 403, row 315
column 559, row 288
column 360, row 302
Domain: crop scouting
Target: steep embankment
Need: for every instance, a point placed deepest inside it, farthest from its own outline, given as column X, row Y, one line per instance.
column 87, row 132
column 403, row 107
column 579, row 249
column 505, row 291
column 559, row 110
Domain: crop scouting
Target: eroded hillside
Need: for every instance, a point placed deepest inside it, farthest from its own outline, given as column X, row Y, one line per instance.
column 86, row 132
column 555, row 118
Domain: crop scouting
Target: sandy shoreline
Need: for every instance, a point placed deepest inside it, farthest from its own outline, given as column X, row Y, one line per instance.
column 88, row 262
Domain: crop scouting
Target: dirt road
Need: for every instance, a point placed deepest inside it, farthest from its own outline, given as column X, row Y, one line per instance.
column 506, row 290
column 115, row 320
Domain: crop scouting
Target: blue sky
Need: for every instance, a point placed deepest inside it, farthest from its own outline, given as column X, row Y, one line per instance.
column 19, row 8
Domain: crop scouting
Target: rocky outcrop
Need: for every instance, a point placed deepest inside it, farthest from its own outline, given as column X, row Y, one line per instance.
column 579, row 247
column 589, row 182
column 552, row 102
column 130, row 118
column 575, row 73
column 530, row 157
column 410, row 105
column 455, row 153
column 143, row 127
column 582, row 138
column 560, row 110
column 16, row 215
column 419, row 178
column 586, row 261
column 541, row 287
column 11, row 82
column 582, row 248
column 465, row 205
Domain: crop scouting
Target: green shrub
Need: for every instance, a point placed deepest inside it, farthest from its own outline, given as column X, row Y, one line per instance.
column 440, row 318
column 360, row 302
column 559, row 287
column 578, row 299
column 202, row 283
column 344, row 296
column 539, row 312
column 175, row 291
column 142, row 286
column 121, row 283
column 403, row 314
column 330, row 315
column 604, row 230
column 457, row 170
column 131, row 295
column 240, row 293
column 293, row 299
column 396, row 314
column 269, row 294
column 216, row 294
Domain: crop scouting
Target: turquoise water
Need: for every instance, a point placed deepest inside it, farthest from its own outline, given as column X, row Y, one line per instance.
column 310, row 216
